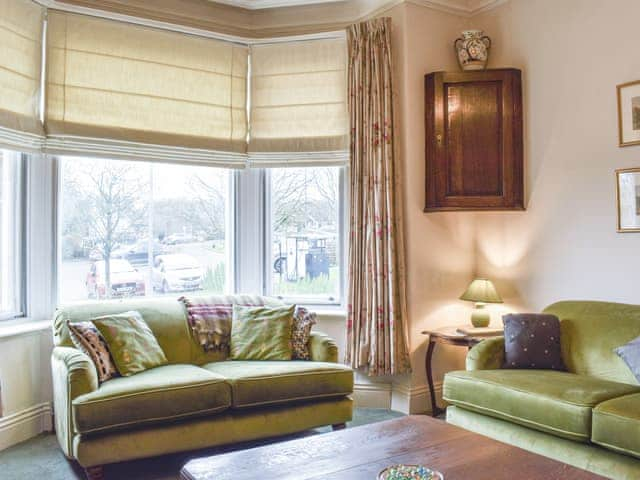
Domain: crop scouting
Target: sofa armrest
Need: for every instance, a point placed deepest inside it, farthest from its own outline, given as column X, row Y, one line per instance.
column 74, row 374
column 486, row 355
column 323, row 348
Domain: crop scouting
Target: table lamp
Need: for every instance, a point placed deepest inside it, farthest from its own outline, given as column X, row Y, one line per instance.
column 481, row 291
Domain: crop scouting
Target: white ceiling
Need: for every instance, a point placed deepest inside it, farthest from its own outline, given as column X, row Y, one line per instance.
column 261, row 4
column 461, row 7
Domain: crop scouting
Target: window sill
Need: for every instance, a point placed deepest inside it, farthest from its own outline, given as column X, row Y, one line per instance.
column 325, row 313
column 23, row 326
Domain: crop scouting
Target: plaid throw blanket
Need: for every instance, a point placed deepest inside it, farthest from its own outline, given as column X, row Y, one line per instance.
column 210, row 317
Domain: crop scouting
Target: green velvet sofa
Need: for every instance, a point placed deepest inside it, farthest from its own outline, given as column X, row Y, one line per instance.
column 198, row 400
column 588, row 416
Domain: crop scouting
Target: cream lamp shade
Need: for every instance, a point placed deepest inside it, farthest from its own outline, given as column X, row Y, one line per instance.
column 481, row 291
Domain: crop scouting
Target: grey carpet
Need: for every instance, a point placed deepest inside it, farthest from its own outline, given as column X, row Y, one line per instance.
column 41, row 458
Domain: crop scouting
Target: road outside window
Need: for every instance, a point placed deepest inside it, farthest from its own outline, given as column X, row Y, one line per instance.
column 305, row 233
column 130, row 229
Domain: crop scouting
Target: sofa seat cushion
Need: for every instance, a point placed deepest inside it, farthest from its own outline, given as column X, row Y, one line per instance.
column 256, row 383
column 164, row 393
column 555, row 402
column 616, row 424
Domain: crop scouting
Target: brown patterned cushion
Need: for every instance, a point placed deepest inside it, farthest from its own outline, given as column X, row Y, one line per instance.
column 532, row 340
column 303, row 320
column 86, row 337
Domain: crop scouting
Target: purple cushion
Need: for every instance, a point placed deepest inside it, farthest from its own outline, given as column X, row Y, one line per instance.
column 532, row 340
column 630, row 353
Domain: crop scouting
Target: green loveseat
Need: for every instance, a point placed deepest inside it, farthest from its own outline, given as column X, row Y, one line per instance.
column 588, row 416
column 198, row 400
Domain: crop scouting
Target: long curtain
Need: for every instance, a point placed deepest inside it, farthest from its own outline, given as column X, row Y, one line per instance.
column 376, row 323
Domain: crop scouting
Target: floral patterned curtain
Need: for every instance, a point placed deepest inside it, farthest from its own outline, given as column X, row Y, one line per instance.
column 376, row 323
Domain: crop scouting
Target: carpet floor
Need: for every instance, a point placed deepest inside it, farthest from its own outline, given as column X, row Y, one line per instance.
column 41, row 458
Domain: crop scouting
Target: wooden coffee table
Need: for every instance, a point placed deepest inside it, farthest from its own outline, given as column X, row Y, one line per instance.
column 360, row 453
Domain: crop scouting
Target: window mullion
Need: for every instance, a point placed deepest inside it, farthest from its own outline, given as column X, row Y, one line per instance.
column 40, row 236
column 249, row 218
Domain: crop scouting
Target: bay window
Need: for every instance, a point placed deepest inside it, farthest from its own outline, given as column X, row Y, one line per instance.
column 304, row 233
column 163, row 162
column 141, row 228
column 128, row 228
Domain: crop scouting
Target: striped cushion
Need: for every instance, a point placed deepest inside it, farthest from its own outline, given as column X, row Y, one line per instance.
column 86, row 337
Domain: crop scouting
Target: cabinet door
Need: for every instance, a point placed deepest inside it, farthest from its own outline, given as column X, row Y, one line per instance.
column 474, row 140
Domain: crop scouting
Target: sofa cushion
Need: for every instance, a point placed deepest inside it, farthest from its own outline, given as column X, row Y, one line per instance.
column 261, row 333
column 616, row 424
column 555, row 402
column 271, row 382
column 630, row 353
column 532, row 340
column 88, row 339
column 155, row 395
column 132, row 344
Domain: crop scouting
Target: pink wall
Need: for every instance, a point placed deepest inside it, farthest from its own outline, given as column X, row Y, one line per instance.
column 565, row 246
column 572, row 53
column 439, row 247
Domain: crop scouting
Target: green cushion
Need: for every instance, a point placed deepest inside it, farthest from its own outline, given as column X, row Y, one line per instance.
column 549, row 401
column 154, row 396
column 165, row 317
column 264, row 383
column 261, row 333
column 616, row 424
column 591, row 331
column 131, row 342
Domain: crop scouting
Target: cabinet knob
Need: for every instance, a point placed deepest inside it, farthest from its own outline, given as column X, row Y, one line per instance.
column 439, row 139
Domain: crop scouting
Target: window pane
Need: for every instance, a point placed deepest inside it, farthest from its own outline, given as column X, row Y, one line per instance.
column 305, row 233
column 11, row 216
column 138, row 228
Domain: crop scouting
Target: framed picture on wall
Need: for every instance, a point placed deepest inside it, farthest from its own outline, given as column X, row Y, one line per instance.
column 628, row 193
column 629, row 114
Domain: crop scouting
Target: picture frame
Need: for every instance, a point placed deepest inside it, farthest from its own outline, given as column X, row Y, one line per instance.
column 628, row 199
column 628, row 113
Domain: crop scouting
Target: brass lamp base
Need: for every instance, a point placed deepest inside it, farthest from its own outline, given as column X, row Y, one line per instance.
column 480, row 317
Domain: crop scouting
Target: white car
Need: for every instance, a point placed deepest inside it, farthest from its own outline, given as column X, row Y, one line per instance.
column 176, row 273
column 126, row 281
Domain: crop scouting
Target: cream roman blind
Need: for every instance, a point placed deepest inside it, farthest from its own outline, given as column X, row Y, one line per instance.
column 21, row 23
column 298, row 103
column 123, row 90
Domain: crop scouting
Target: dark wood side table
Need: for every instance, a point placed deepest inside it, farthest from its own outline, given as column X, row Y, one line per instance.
column 448, row 336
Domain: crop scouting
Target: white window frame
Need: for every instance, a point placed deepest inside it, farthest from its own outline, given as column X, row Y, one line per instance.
column 18, row 238
column 248, row 246
column 231, row 247
column 338, row 302
column 37, row 241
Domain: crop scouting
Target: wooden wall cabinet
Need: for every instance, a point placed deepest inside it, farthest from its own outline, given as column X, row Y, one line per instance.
column 474, row 157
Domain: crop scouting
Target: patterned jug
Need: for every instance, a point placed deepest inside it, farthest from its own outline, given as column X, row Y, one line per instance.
column 473, row 50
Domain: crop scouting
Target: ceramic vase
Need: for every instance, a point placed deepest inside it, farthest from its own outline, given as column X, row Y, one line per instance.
column 473, row 50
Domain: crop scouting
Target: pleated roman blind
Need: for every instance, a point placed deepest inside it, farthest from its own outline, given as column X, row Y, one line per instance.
column 298, row 103
column 122, row 90
column 21, row 23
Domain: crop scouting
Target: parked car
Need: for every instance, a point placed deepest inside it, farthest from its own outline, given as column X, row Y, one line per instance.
column 176, row 272
column 95, row 254
column 126, row 281
column 178, row 238
column 138, row 252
